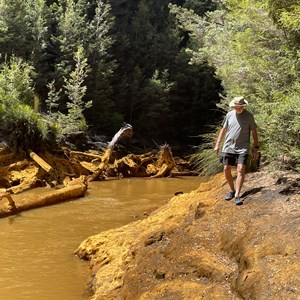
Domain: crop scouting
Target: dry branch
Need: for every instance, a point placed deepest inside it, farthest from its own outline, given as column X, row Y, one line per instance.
column 27, row 184
column 85, row 155
column 104, row 162
column 11, row 206
column 40, row 162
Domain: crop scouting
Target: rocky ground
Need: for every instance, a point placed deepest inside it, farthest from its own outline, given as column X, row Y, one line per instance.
column 200, row 246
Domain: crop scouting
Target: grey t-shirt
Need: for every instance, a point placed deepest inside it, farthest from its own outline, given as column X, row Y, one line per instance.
column 237, row 139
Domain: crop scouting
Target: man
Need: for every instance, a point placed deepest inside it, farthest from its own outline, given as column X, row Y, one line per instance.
column 236, row 129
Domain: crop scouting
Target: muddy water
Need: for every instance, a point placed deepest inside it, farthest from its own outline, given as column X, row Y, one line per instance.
column 36, row 260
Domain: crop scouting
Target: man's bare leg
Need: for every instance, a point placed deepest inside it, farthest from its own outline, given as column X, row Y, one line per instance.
column 228, row 176
column 240, row 179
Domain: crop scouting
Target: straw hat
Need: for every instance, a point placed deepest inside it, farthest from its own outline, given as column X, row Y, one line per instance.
column 238, row 101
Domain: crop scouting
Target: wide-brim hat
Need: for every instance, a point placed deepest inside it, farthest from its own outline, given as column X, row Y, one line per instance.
column 238, row 101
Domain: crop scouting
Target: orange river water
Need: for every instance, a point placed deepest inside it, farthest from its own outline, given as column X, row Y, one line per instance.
column 36, row 246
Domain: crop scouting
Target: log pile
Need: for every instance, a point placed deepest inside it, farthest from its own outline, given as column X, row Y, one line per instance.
column 20, row 173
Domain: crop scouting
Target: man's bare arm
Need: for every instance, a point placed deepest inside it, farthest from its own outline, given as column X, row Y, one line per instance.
column 220, row 139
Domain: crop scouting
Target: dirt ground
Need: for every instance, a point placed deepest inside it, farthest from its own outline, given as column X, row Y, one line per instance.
column 200, row 246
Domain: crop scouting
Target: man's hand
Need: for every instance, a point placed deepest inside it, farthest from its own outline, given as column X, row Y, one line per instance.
column 217, row 148
column 219, row 140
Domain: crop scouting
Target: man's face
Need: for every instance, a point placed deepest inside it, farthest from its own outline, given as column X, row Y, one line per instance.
column 239, row 109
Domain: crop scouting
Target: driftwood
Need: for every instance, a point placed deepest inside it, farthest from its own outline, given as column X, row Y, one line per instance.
column 134, row 165
column 10, row 205
column 184, row 173
column 50, row 169
column 89, row 156
column 40, row 162
column 75, row 189
column 165, row 162
column 27, row 184
column 104, row 163
column 145, row 165
column 18, row 165
column 88, row 166
column 125, row 131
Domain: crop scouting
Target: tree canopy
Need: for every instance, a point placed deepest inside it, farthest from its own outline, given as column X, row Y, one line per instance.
column 167, row 67
column 254, row 48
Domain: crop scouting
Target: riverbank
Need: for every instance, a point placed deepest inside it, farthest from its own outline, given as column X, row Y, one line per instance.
column 199, row 246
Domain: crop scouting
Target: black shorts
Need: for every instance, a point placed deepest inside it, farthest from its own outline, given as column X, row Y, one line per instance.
column 233, row 159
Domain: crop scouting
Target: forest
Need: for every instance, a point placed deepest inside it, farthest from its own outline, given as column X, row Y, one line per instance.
column 168, row 68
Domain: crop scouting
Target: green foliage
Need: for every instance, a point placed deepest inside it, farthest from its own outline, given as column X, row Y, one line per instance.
column 125, row 44
column 21, row 125
column 254, row 58
column 23, row 29
column 281, row 135
column 24, row 128
column 75, row 90
column 103, row 114
column 200, row 7
column 152, row 42
column 156, row 104
column 72, row 29
column 53, row 99
column 285, row 13
column 14, row 29
column 16, row 82
column 36, row 18
column 205, row 160
column 101, row 39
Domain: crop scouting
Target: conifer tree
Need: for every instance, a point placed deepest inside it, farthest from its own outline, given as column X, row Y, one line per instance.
column 53, row 99
column 103, row 115
column 23, row 29
column 155, row 106
column 72, row 31
column 76, row 90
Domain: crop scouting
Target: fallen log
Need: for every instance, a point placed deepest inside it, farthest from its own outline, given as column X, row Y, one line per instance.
column 165, row 162
column 40, row 162
column 19, row 165
column 88, row 166
column 104, row 162
column 163, row 170
column 26, row 185
column 73, row 190
column 184, row 173
column 90, row 156
column 125, row 131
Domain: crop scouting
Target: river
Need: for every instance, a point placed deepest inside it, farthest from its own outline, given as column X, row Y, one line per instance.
column 36, row 260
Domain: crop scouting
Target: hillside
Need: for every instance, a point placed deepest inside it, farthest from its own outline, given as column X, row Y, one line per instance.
column 199, row 246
